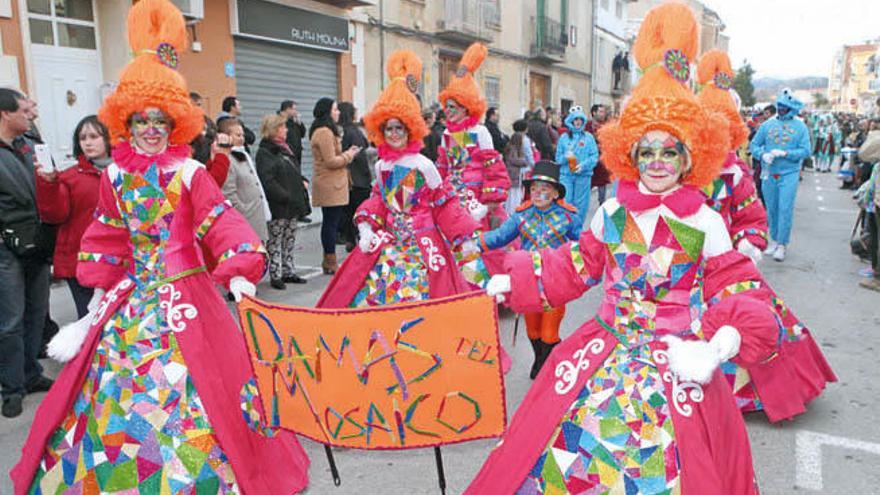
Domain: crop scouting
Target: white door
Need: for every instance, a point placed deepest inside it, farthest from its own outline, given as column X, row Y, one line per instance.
column 66, row 68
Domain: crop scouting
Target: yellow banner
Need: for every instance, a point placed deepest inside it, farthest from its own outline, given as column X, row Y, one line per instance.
column 395, row 377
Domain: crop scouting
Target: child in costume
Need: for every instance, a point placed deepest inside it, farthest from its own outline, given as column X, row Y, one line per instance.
column 798, row 372
column 633, row 402
column 544, row 221
column 577, row 155
column 467, row 160
column 149, row 402
column 782, row 143
column 732, row 193
column 412, row 218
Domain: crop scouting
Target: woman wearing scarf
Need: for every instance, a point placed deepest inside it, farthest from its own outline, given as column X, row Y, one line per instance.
column 67, row 199
column 283, row 184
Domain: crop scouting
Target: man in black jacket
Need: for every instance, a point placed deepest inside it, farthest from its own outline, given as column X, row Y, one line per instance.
column 540, row 135
column 24, row 270
column 232, row 108
column 499, row 140
column 295, row 129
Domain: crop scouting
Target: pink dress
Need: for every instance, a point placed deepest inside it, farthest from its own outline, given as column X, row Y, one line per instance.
column 606, row 414
column 798, row 372
column 151, row 403
column 418, row 220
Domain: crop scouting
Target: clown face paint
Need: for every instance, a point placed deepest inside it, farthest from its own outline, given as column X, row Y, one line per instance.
column 150, row 129
column 543, row 194
column 395, row 133
column 454, row 112
column 661, row 159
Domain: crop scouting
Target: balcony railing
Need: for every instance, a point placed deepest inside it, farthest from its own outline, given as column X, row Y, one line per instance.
column 549, row 39
column 469, row 20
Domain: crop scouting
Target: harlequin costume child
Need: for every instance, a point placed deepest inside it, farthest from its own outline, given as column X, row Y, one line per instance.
column 633, row 401
column 151, row 401
column 798, row 371
column 412, row 219
column 782, row 143
column 537, row 226
column 467, row 159
column 577, row 156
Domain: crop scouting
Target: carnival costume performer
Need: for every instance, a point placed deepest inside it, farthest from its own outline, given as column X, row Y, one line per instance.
column 150, row 401
column 577, row 156
column 412, row 219
column 798, row 372
column 732, row 193
column 467, row 159
column 633, row 402
column 543, row 221
column 782, row 143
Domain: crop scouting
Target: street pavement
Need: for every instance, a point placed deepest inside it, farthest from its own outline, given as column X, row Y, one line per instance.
column 832, row 449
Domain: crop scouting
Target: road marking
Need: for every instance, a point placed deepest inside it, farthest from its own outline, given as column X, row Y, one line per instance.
column 310, row 271
column 819, row 197
column 837, row 210
column 808, row 453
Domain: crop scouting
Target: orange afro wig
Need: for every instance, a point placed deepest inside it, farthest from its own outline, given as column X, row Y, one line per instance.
column 661, row 100
column 399, row 100
column 156, row 33
column 715, row 75
column 463, row 88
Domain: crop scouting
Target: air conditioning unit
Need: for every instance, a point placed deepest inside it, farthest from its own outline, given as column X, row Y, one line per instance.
column 191, row 9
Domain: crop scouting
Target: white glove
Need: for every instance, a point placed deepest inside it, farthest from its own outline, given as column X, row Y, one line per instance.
column 726, row 342
column 470, row 246
column 240, row 286
column 779, row 152
column 498, row 286
column 579, row 168
column 369, row 241
column 747, row 248
column 768, row 157
column 477, row 210
column 696, row 360
column 691, row 360
column 65, row 345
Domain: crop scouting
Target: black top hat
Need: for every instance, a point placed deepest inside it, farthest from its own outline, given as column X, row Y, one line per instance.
column 545, row 171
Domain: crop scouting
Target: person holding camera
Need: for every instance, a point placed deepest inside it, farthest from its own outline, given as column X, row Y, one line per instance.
column 24, row 265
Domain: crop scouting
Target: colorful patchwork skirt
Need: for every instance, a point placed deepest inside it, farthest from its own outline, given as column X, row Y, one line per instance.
column 138, row 424
column 399, row 276
column 617, row 437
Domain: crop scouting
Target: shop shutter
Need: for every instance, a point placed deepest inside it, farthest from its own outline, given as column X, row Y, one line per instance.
column 268, row 73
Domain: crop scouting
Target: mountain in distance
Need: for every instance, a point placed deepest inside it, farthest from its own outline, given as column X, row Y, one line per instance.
column 766, row 88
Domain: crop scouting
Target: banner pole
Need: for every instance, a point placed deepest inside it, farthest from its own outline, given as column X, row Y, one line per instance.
column 440, row 474
column 333, row 471
column 515, row 329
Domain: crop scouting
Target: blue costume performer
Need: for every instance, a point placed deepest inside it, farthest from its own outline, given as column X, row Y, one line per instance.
column 577, row 155
column 782, row 143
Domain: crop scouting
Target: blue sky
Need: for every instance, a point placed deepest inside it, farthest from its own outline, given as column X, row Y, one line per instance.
column 792, row 38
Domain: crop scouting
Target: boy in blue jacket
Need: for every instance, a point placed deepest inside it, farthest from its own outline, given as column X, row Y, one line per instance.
column 542, row 221
column 577, row 155
column 781, row 143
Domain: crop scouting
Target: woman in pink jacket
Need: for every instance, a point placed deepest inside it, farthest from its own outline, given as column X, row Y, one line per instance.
column 411, row 220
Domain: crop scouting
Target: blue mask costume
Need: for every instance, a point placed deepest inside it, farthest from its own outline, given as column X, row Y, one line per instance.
column 582, row 146
column 781, row 144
